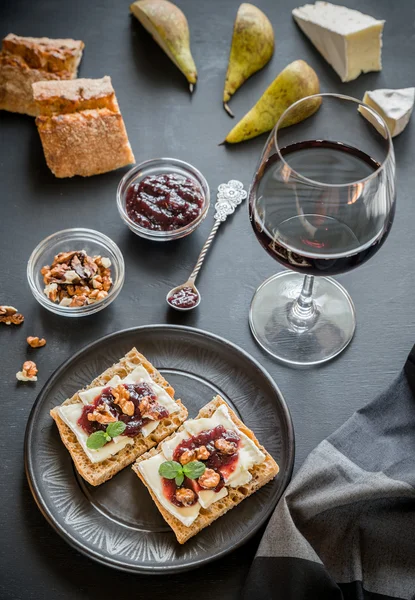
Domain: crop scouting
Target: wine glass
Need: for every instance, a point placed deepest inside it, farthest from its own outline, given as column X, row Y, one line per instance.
column 322, row 202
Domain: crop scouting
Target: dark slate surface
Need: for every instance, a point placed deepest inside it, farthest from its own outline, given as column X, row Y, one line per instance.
column 162, row 120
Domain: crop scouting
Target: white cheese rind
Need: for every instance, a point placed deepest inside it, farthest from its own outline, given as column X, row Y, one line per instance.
column 395, row 106
column 70, row 414
column 349, row 40
column 88, row 396
column 149, row 470
column 169, row 446
column 221, row 416
column 208, row 497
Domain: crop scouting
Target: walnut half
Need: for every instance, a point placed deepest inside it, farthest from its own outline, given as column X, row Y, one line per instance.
column 35, row 342
column 209, row 480
column 122, row 398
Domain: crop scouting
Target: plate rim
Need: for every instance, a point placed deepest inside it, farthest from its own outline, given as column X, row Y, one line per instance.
column 142, row 570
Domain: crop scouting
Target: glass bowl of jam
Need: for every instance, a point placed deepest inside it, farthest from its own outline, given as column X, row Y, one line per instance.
column 163, row 199
column 76, row 272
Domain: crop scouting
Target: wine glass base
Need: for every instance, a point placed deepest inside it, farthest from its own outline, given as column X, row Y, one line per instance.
column 329, row 333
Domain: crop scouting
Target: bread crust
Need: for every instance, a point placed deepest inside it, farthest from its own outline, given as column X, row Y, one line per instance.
column 25, row 60
column 81, row 127
column 261, row 475
column 61, row 97
column 98, row 473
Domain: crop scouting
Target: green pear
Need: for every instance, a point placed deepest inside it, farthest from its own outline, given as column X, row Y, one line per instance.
column 168, row 26
column 296, row 81
column 251, row 49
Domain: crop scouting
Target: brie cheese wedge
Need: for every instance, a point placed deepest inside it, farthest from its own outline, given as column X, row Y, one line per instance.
column 350, row 41
column 395, row 106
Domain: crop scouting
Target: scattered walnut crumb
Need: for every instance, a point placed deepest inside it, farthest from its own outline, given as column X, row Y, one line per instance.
column 75, row 279
column 35, row 342
column 10, row 316
column 28, row 372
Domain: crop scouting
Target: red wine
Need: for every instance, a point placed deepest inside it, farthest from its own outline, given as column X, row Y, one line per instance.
column 327, row 220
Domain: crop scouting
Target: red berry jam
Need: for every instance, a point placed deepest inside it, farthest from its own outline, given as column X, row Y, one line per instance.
column 170, row 487
column 224, row 464
column 184, row 298
column 164, row 202
column 134, row 423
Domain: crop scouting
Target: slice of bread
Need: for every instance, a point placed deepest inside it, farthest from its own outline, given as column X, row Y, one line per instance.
column 26, row 60
column 97, row 473
column 261, row 474
column 81, row 127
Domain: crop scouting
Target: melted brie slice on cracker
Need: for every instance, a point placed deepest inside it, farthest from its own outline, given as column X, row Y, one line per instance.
column 248, row 455
column 70, row 413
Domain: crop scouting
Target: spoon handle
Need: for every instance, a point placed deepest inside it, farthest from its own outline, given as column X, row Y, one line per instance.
column 204, row 250
column 230, row 195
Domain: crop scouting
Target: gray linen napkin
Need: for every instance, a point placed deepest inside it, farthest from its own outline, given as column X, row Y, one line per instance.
column 345, row 527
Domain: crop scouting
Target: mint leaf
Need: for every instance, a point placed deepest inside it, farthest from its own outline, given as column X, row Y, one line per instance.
column 170, row 469
column 179, row 479
column 97, row 440
column 194, row 469
column 116, row 428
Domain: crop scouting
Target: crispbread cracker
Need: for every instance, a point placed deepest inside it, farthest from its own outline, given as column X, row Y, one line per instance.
column 261, row 474
column 97, row 473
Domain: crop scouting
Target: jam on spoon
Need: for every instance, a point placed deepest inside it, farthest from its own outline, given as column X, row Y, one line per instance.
column 186, row 297
column 164, row 202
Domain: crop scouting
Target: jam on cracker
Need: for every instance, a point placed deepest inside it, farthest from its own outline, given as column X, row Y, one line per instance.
column 135, row 404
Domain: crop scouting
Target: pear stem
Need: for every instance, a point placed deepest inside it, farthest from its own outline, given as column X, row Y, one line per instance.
column 228, row 110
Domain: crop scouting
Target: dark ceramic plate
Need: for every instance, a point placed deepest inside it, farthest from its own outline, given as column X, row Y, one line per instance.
column 117, row 523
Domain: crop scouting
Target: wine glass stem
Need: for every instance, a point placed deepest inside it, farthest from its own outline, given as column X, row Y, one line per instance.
column 303, row 312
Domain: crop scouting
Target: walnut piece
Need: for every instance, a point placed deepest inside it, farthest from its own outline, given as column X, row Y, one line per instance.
column 185, row 496
column 79, row 301
column 28, row 372
column 209, row 480
column 149, row 409
column 102, row 414
column 122, row 398
column 225, row 447
column 35, row 342
column 77, row 274
column 202, row 453
column 187, row 456
column 7, row 310
column 10, row 316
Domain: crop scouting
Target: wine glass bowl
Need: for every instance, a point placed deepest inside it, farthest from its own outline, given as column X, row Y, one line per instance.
column 321, row 202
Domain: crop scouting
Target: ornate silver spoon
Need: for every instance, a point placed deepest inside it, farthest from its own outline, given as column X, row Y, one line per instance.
column 186, row 296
